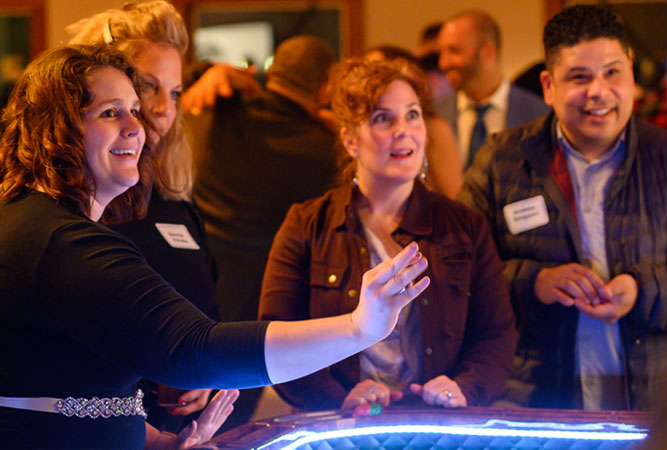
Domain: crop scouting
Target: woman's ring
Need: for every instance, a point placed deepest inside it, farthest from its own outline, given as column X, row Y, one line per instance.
column 402, row 290
column 447, row 394
column 372, row 389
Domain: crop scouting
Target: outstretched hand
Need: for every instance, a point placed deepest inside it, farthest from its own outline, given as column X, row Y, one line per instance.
column 386, row 289
column 203, row 429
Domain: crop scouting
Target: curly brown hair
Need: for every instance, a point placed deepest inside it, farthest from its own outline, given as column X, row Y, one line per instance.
column 356, row 87
column 42, row 144
column 358, row 84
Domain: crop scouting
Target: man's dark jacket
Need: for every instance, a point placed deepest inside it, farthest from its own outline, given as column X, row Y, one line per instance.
column 514, row 166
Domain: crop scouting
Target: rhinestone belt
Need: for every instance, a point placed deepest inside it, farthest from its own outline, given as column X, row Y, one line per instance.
column 81, row 407
column 104, row 407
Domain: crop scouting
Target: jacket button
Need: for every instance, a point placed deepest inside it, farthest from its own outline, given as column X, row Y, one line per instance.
column 638, row 341
column 424, row 301
column 352, row 293
column 332, row 278
column 363, row 251
column 429, row 351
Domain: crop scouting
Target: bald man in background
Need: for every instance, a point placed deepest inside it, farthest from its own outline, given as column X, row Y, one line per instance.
column 484, row 101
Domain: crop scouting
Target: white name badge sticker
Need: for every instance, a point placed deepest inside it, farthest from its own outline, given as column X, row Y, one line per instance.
column 526, row 214
column 177, row 236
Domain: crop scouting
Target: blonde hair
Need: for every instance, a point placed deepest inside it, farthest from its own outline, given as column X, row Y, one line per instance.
column 130, row 29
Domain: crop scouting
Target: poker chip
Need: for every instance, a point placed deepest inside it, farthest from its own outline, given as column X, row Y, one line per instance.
column 367, row 409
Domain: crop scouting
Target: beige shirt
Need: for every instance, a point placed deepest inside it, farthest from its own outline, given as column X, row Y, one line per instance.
column 384, row 361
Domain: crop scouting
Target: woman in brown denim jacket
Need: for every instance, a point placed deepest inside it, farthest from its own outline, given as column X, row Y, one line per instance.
column 453, row 346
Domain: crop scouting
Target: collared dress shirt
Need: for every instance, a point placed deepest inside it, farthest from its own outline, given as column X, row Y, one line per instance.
column 494, row 119
column 387, row 361
column 598, row 363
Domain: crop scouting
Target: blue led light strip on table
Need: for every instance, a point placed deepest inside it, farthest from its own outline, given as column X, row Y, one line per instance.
column 562, row 431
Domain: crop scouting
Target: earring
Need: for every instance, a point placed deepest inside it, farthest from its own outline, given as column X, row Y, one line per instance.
column 424, row 169
column 355, row 180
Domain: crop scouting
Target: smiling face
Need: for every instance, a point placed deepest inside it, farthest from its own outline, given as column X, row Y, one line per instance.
column 591, row 89
column 460, row 51
column 389, row 147
column 160, row 64
column 113, row 136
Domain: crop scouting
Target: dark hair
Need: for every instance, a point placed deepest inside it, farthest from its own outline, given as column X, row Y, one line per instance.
column 302, row 63
column 430, row 32
column 580, row 23
column 42, row 143
column 390, row 52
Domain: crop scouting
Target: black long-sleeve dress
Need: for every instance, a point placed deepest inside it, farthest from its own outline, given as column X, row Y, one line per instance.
column 82, row 314
column 173, row 240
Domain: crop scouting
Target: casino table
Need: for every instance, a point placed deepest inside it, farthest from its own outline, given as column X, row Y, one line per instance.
column 425, row 428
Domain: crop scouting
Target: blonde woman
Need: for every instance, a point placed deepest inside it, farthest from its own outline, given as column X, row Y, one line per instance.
column 171, row 236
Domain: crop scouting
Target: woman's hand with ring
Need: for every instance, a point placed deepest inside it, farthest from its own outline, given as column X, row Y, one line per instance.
column 386, row 289
column 406, row 287
column 369, row 391
column 440, row 391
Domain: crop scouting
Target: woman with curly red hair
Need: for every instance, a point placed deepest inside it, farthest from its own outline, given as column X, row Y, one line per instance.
column 451, row 348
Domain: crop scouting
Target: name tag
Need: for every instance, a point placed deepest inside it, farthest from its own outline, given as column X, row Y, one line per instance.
column 177, row 236
column 526, row 214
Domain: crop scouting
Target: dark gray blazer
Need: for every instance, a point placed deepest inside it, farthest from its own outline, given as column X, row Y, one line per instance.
column 523, row 107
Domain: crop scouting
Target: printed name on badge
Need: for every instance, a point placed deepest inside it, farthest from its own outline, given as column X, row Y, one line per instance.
column 526, row 214
column 177, row 236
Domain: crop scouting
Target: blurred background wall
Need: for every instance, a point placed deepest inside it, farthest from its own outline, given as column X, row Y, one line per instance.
column 396, row 22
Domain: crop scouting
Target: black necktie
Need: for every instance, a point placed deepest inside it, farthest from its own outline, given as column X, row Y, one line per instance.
column 478, row 135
